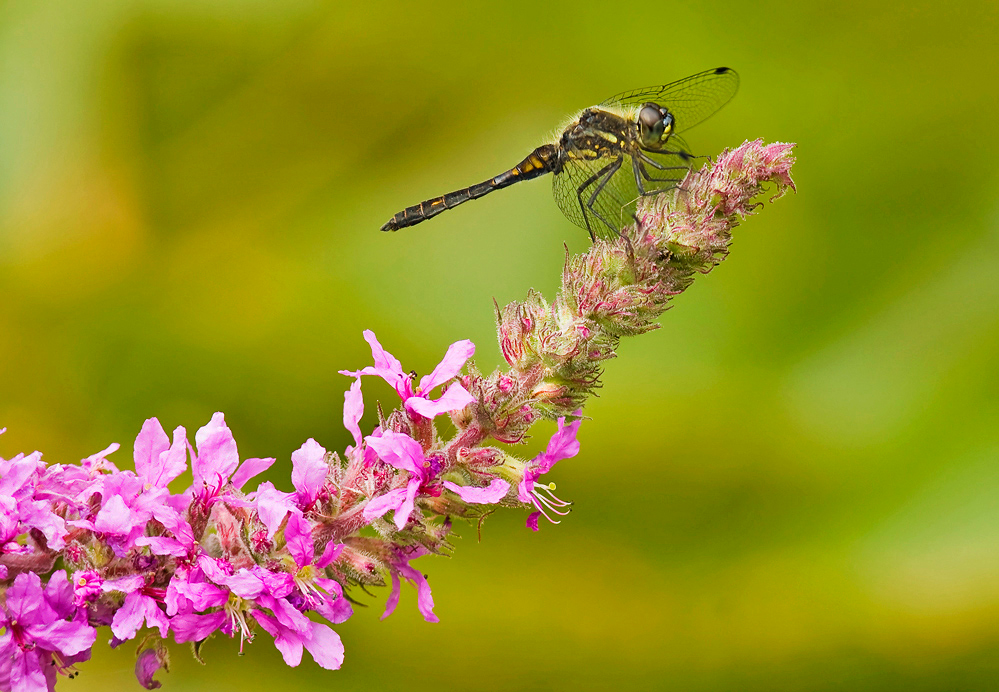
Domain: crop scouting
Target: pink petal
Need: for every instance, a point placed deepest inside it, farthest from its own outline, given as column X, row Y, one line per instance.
column 454, row 360
column 393, row 600
column 114, row 517
column 298, row 538
column 563, row 444
column 353, row 409
column 146, row 665
column 336, row 608
column 128, row 584
column 59, row 594
column 67, row 637
column 195, row 627
column 532, row 521
column 163, row 545
column 524, row 489
column 330, row 553
column 98, row 462
column 245, row 584
column 454, row 399
column 408, row 504
column 285, row 613
column 399, row 450
column 309, row 470
column 39, row 515
column 128, row 619
column 380, row 505
column 288, row 642
column 149, row 444
column 26, row 674
column 248, row 469
column 424, row 599
column 217, row 454
column 272, row 506
column 201, row 595
column 173, row 462
column 325, row 646
column 25, row 598
column 388, row 366
column 491, row 494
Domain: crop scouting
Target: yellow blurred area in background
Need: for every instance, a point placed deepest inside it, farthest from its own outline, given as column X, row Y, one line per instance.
column 793, row 485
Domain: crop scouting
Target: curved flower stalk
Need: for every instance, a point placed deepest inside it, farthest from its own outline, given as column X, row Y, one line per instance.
column 88, row 545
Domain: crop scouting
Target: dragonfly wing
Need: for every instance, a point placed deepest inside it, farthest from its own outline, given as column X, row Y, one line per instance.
column 691, row 100
column 597, row 194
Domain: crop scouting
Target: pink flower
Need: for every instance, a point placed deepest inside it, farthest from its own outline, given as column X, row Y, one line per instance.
column 322, row 642
column 38, row 640
column 406, row 454
column 216, row 462
column 562, row 445
column 309, row 472
column 142, row 603
column 19, row 478
column 418, row 401
column 315, row 591
column 400, row 567
column 157, row 461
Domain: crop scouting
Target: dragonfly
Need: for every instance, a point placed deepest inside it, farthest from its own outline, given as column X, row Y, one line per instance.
column 609, row 156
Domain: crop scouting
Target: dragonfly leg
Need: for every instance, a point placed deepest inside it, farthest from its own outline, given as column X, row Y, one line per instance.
column 639, row 171
column 610, row 171
column 684, row 155
column 579, row 196
column 673, row 181
column 607, row 172
column 658, row 166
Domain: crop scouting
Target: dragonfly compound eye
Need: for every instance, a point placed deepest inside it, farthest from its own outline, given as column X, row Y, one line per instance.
column 654, row 124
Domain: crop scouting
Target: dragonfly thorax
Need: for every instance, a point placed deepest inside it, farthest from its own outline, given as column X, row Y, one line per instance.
column 655, row 125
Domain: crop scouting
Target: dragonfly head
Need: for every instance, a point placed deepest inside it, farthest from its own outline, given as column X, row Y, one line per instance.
column 655, row 125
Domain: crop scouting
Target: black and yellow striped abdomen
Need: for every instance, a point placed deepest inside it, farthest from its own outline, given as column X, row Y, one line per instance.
column 540, row 161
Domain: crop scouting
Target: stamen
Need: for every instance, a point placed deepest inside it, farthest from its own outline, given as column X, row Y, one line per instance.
column 545, row 515
column 551, row 497
column 550, row 505
column 238, row 620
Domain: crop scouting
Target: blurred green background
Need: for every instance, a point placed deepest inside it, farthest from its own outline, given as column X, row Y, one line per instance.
column 794, row 485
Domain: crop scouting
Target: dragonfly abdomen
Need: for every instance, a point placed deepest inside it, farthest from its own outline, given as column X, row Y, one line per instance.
column 540, row 161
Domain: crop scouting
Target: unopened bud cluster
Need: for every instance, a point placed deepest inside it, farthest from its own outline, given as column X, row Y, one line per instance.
column 88, row 545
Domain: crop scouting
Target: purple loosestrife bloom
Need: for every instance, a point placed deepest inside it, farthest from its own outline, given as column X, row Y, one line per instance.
column 322, row 642
column 316, row 592
column 418, row 401
column 157, row 461
column 405, row 453
column 129, row 500
column 38, row 639
column 18, row 482
column 563, row 445
column 308, row 476
column 308, row 473
column 142, row 603
column 216, row 463
column 400, row 567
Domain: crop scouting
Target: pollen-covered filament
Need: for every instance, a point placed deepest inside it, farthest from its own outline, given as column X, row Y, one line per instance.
column 305, row 580
column 546, row 501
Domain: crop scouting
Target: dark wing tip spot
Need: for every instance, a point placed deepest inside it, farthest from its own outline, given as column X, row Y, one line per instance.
column 722, row 70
